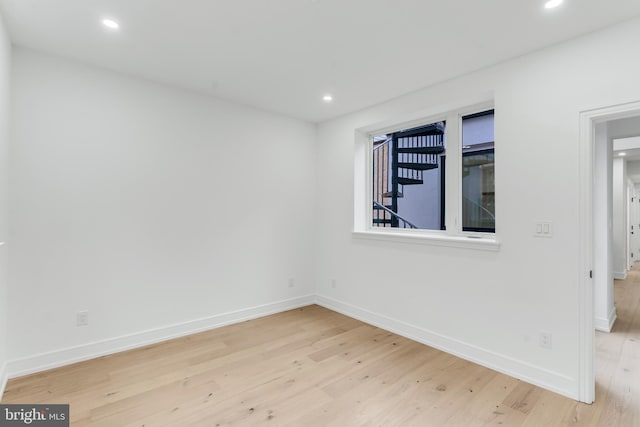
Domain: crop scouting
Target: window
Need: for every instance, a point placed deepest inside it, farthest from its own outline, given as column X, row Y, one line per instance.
column 408, row 178
column 478, row 191
column 434, row 175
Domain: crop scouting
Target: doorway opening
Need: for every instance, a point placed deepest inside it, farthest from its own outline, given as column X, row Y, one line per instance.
column 606, row 216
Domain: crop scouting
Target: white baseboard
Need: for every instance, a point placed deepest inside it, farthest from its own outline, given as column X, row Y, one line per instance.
column 3, row 379
column 620, row 276
column 544, row 378
column 605, row 325
column 601, row 324
column 67, row 356
column 516, row 368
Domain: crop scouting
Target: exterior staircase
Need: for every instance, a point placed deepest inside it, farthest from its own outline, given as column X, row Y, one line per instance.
column 400, row 160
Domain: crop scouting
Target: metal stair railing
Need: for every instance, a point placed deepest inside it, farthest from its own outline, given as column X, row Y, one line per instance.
column 402, row 223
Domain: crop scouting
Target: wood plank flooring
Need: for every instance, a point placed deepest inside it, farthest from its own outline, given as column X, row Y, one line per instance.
column 314, row 367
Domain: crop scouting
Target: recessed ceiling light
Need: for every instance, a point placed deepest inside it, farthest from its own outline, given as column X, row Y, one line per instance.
column 327, row 98
column 551, row 4
column 622, row 154
column 111, row 24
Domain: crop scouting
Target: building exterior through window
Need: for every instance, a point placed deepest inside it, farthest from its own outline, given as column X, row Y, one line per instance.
column 409, row 171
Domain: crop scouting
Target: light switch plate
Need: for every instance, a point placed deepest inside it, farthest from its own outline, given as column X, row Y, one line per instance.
column 543, row 229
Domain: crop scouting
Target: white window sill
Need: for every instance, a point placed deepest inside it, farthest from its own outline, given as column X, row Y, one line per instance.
column 465, row 242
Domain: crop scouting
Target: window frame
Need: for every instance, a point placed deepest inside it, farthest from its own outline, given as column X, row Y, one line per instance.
column 453, row 235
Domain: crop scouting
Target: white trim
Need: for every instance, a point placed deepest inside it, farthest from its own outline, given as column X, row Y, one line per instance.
column 606, row 325
column 601, row 324
column 465, row 242
column 586, row 333
column 4, row 377
column 613, row 316
column 67, row 356
column 545, row 378
column 620, row 276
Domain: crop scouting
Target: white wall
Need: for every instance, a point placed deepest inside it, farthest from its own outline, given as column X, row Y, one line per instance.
column 604, row 309
column 5, row 65
column 620, row 222
column 148, row 206
column 486, row 306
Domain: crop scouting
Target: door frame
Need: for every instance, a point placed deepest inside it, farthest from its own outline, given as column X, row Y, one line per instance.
column 628, row 226
column 588, row 120
column 633, row 226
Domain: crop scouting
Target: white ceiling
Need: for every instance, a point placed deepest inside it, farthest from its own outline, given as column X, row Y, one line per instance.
column 283, row 55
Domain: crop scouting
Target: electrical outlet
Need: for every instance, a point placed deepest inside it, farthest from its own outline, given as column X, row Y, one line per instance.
column 82, row 318
column 334, row 283
column 546, row 340
column 292, row 282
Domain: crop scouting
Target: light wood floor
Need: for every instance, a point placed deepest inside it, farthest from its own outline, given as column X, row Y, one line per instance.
column 314, row 367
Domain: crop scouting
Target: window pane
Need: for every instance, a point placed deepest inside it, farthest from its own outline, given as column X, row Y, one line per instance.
column 478, row 191
column 408, row 178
